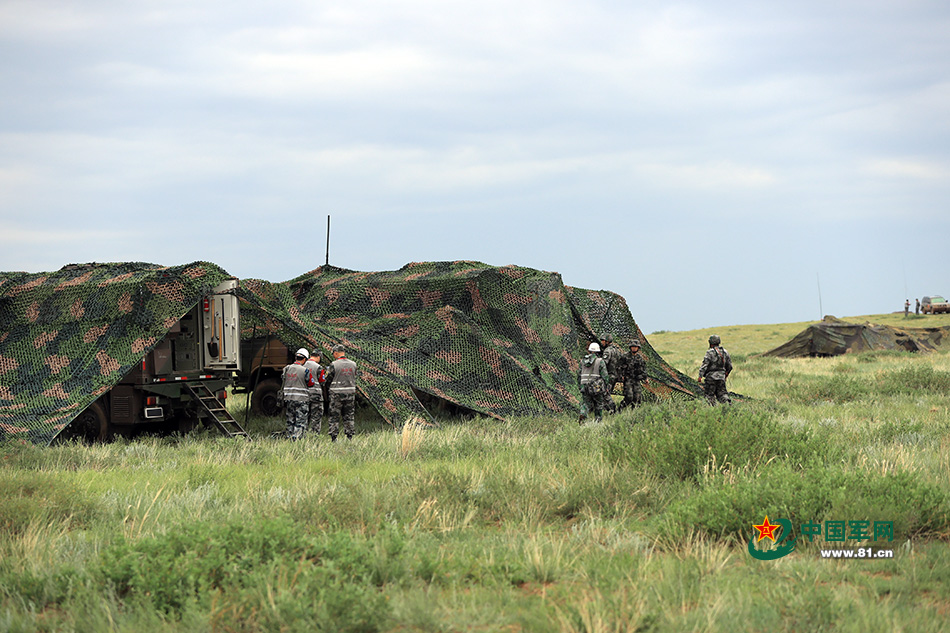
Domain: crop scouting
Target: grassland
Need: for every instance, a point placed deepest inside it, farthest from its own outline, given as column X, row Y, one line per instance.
column 639, row 524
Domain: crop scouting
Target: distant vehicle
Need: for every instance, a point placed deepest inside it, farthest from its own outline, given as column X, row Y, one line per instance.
column 934, row 304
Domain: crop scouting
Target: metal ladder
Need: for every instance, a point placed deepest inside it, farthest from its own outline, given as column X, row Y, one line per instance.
column 217, row 412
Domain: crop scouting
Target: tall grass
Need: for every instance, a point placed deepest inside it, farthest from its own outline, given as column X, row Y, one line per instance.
column 533, row 524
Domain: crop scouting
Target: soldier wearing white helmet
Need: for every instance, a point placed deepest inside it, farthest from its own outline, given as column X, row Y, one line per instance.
column 592, row 378
column 297, row 381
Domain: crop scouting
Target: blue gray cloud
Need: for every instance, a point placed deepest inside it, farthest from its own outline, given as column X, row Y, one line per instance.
column 707, row 160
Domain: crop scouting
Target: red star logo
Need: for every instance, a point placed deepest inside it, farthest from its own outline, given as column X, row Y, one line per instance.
column 766, row 530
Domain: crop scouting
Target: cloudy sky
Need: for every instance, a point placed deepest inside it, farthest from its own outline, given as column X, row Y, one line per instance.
column 714, row 162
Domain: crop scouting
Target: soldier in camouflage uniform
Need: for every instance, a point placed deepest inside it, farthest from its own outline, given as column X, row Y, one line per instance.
column 592, row 379
column 295, row 393
column 633, row 371
column 716, row 367
column 612, row 358
column 315, row 416
column 340, row 377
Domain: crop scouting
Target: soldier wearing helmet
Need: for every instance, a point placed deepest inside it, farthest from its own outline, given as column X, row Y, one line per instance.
column 297, row 381
column 612, row 357
column 340, row 378
column 592, row 379
column 716, row 367
column 633, row 371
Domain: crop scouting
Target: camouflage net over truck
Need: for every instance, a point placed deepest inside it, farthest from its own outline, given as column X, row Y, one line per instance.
column 67, row 337
column 501, row 341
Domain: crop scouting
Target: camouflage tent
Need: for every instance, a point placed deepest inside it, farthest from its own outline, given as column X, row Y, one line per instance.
column 500, row 341
column 69, row 336
column 833, row 337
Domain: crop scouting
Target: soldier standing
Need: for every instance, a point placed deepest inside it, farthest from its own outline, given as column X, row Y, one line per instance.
column 315, row 416
column 612, row 357
column 592, row 379
column 633, row 370
column 917, row 307
column 716, row 367
column 297, row 382
column 340, row 377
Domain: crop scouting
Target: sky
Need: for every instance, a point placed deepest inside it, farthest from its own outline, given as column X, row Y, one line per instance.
column 716, row 163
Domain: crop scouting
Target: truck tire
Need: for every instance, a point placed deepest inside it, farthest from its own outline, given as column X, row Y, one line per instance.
column 264, row 398
column 90, row 426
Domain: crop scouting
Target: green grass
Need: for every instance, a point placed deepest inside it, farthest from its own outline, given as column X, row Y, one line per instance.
column 534, row 524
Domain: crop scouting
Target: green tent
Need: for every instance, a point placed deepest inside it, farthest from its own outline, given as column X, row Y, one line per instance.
column 500, row 341
column 833, row 337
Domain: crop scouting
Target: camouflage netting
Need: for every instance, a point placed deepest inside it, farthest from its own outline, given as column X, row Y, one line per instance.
column 499, row 341
column 69, row 336
column 833, row 337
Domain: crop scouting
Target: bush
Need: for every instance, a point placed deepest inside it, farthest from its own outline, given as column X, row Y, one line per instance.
column 838, row 388
column 267, row 567
column 41, row 498
column 913, row 380
column 681, row 440
column 727, row 509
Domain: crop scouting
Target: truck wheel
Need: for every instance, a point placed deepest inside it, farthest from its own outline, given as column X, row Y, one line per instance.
column 264, row 398
column 90, row 426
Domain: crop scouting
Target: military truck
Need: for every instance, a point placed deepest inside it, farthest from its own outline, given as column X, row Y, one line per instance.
column 180, row 383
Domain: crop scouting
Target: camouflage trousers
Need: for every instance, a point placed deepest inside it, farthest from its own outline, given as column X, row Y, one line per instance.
column 342, row 406
column 594, row 399
column 609, row 403
column 632, row 394
column 296, row 412
column 716, row 391
column 315, row 415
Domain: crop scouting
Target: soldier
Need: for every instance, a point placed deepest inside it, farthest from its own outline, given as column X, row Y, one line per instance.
column 612, row 357
column 315, row 416
column 633, row 370
column 297, row 381
column 592, row 379
column 917, row 307
column 340, row 377
column 715, row 369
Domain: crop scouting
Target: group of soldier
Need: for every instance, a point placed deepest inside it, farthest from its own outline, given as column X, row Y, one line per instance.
column 605, row 365
column 305, row 381
column 302, row 391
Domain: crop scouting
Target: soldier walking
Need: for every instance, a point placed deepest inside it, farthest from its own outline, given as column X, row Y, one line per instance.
column 633, row 370
column 612, row 358
column 592, row 379
column 295, row 392
column 716, row 367
column 340, row 377
column 315, row 416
